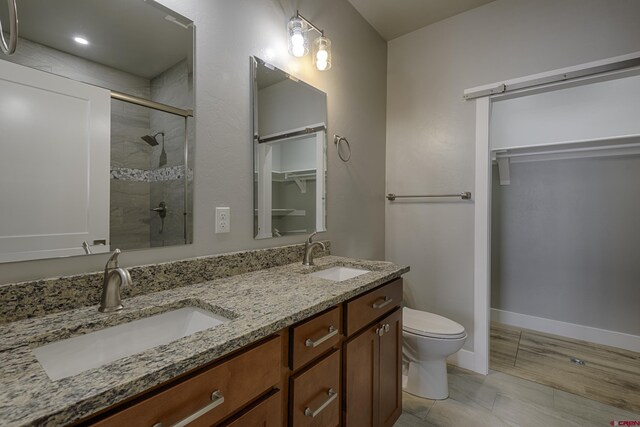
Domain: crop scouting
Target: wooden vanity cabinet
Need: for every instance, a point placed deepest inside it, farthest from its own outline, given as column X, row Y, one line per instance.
column 367, row 308
column 315, row 394
column 315, row 386
column 339, row 367
column 372, row 362
column 390, row 367
column 210, row 395
column 313, row 337
column 265, row 413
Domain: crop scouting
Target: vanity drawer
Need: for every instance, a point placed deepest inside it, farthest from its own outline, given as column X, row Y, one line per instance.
column 315, row 394
column 267, row 413
column 368, row 307
column 314, row 337
column 233, row 384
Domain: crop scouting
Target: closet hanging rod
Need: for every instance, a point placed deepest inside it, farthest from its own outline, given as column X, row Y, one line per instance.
column 464, row 196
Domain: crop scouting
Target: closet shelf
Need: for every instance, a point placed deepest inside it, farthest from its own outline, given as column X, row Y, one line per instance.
column 623, row 145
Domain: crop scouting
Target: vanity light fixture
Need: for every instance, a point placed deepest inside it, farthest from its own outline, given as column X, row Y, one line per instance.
column 298, row 27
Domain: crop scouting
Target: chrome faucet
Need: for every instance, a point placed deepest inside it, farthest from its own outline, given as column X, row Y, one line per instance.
column 309, row 246
column 114, row 278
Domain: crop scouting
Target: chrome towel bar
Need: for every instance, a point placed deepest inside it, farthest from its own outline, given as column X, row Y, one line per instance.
column 464, row 196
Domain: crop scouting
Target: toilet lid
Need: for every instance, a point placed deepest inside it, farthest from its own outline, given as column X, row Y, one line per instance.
column 430, row 325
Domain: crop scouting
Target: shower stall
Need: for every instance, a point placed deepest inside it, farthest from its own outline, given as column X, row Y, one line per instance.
column 151, row 174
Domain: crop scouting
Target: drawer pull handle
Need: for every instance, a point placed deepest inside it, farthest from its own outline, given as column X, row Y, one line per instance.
column 333, row 395
column 217, row 399
column 386, row 301
column 313, row 344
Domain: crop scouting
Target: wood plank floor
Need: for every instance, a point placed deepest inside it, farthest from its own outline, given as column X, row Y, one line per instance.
column 609, row 375
column 500, row 399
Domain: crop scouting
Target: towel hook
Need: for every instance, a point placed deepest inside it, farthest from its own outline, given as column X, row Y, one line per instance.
column 337, row 139
column 10, row 48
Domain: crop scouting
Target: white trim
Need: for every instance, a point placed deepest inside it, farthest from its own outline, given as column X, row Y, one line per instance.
column 464, row 359
column 569, row 330
column 482, row 239
column 550, row 74
column 482, row 210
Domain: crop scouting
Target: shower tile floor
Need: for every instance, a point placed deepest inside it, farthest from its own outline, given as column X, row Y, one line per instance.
column 532, row 383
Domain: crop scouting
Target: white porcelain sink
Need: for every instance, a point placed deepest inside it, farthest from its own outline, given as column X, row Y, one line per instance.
column 338, row 274
column 62, row 359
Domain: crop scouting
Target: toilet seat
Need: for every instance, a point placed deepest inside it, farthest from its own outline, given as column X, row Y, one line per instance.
column 430, row 325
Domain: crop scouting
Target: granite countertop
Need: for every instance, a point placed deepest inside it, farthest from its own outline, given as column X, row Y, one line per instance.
column 259, row 304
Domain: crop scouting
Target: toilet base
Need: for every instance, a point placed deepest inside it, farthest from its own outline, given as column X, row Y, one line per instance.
column 427, row 379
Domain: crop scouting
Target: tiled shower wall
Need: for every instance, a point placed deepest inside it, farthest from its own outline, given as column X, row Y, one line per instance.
column 129, row 226
column 172, row 87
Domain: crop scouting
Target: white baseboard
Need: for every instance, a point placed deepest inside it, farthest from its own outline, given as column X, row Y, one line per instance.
column 463, row 359
column 569, row 330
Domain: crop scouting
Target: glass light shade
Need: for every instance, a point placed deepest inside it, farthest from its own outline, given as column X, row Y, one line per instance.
column 322, row 53
column 298, row 42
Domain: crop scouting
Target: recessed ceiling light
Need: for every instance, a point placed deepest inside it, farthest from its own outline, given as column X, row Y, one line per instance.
column 81, row 40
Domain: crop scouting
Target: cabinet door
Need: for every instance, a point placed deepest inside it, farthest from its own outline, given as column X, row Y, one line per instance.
column 361, row 358
column 390, row 392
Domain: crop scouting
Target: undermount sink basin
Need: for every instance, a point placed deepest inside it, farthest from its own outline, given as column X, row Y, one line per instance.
column 62, row 359
column 338, row 274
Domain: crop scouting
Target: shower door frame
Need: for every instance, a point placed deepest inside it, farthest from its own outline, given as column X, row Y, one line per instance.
column 484, row 96
column 185, row 114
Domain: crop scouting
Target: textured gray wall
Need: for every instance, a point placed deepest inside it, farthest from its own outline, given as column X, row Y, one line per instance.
column 431, row 129
column 227, row 33
column 566, row 242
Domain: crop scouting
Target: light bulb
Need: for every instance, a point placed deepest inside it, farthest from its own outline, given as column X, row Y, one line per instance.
column 298, row 43
column 297, row 50
column 297, row 39
column 322, row 55
column 81, row 40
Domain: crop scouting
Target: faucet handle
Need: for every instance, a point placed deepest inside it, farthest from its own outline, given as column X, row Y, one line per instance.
column 112, row 262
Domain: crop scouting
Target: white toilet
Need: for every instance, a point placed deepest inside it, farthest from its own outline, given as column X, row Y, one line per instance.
column 428, row 339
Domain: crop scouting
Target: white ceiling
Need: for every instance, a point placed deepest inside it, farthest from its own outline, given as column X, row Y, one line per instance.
column 394, row 18
column 129, row 35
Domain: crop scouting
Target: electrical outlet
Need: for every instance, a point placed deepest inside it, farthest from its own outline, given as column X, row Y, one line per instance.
column 223, row 220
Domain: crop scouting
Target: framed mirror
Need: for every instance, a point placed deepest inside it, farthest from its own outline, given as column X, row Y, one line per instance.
column 97, row 127
column 289, row 140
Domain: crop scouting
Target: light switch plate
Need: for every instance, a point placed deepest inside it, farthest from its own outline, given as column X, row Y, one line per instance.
column 223, row 220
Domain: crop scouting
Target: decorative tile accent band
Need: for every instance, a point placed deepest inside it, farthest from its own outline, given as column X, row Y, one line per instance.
column 41, row 297
column 172, row 173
